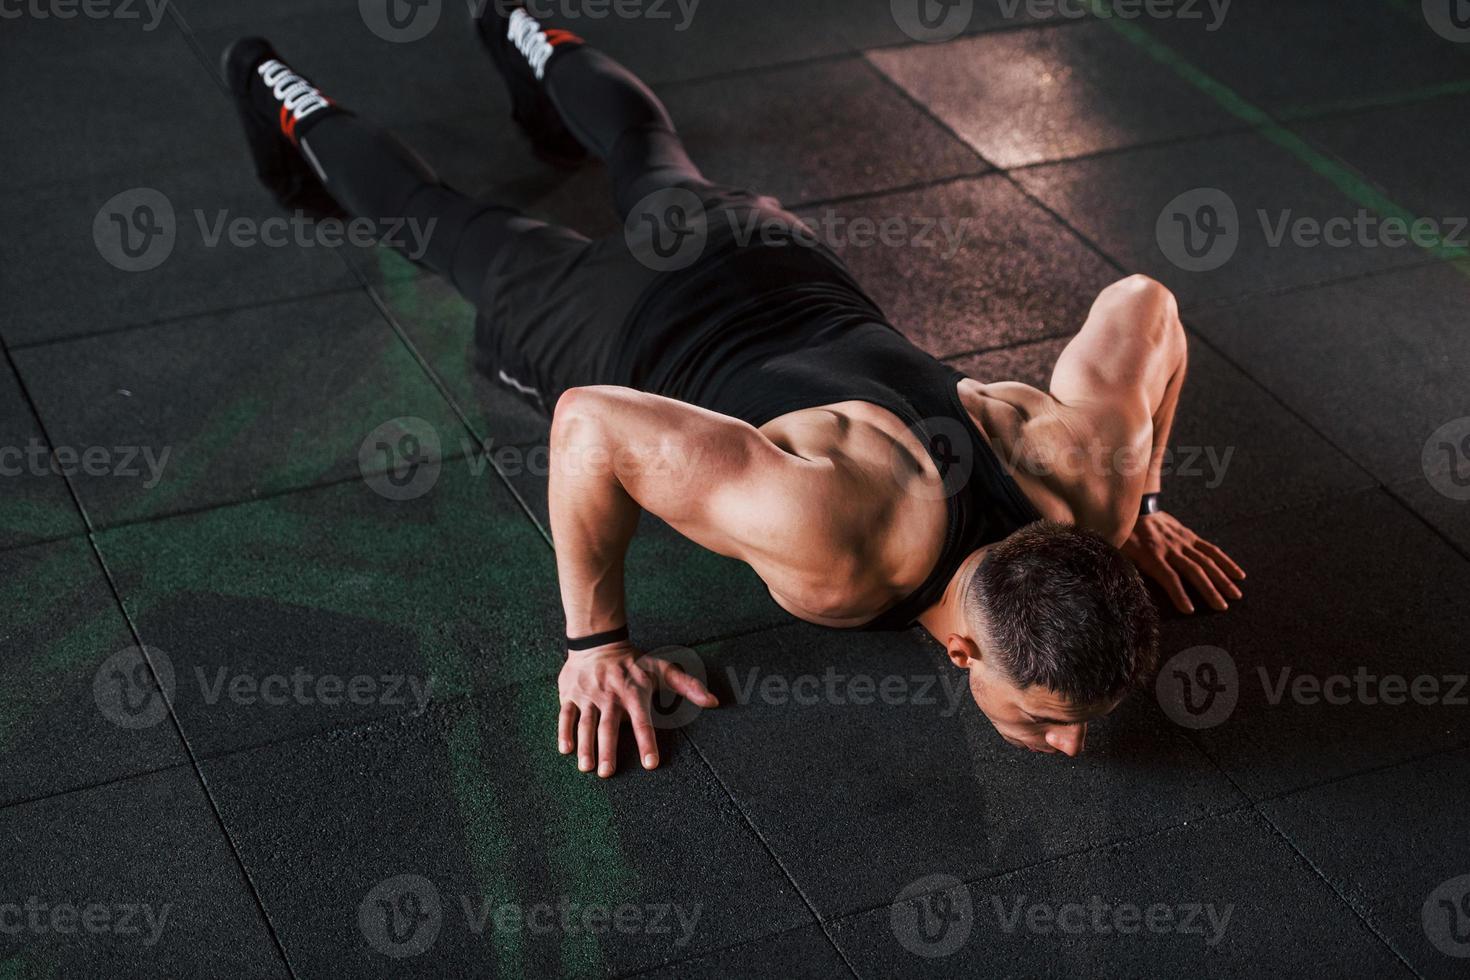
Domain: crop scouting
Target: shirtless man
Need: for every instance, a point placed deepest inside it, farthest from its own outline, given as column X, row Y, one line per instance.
column 751, row 395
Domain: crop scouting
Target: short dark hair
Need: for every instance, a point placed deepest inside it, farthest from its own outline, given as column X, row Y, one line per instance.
column 1063, row 608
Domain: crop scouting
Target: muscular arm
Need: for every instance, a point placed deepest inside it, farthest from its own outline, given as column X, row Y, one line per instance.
column 716, row 480
column 1124, row 371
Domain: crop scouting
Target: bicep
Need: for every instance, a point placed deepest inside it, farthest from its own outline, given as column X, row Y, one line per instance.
column 1120, row 363
column 715, row 479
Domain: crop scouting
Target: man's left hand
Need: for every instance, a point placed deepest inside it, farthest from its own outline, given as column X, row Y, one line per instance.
column 1170, row 554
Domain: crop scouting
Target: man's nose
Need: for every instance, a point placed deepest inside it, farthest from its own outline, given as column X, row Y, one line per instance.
column 1068, row 739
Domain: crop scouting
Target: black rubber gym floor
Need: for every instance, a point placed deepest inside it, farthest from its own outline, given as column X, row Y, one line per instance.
column 353, row 772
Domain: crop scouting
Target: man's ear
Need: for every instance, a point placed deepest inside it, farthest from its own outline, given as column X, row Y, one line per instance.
column 962, row 651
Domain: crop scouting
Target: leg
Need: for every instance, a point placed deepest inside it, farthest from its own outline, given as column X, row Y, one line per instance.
column 565, row 93
column 311, row 152
column 371, row 174
column 616, row 116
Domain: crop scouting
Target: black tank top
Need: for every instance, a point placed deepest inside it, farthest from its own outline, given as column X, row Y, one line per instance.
column 757, row 332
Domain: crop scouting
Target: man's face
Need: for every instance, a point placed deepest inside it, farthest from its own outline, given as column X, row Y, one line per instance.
column 1031, row 718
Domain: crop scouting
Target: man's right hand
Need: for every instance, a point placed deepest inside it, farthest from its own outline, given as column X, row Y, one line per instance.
column 600, row 687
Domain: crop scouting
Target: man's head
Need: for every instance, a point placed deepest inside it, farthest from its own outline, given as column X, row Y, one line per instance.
column 1060, row 629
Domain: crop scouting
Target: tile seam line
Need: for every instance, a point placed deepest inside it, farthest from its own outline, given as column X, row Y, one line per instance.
column 122, row 609
column 1240, row 807
column 231, row 503
column 771, row 852
column 1351, row 186
column 181, row 764
column 1261, row 815
column 193, row 763
column 1356, row 190
column 1362, row 918
column 1231, row 301
column 763, row 938
column 89, row 787
column 1335, row 172
column 175, row 319
column 1411, row 760
column 1141, row 39
column 442, row 387
column 1004, row 174
column 454, row 702
column 1121, row 269
column 1305, row 113
column 1322, row 112
column 1118, row 267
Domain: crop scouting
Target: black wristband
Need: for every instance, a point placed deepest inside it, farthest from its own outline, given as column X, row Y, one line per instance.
column 597, row 639
column 1150, row 505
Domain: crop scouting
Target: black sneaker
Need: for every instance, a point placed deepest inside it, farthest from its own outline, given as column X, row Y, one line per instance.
column 278, row 162
column 520, row 47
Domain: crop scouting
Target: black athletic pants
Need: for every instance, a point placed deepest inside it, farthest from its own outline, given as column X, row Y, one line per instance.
column 551, row 301
column 607, row 108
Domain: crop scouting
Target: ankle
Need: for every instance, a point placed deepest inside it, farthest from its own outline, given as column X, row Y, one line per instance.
column 289, row 99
